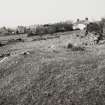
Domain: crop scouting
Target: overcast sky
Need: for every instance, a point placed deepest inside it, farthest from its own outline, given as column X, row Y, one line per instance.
column 27, row 12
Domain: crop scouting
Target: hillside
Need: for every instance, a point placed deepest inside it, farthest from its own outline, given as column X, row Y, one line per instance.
column 53, row 75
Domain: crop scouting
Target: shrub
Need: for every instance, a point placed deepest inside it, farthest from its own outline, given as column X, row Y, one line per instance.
column 1, row 44
column 31, row 33
column 78, row 48
column 93, row 27
column 96, row 28
column 102, row 22
column 75, row 48
column 70, row 45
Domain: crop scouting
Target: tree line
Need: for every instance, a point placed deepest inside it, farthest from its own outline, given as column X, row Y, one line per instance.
column 97, row 27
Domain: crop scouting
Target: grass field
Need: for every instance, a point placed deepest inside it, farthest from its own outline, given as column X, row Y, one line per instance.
column 56, row 76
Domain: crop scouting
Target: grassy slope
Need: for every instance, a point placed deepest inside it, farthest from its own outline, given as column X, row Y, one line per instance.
column 54, row 78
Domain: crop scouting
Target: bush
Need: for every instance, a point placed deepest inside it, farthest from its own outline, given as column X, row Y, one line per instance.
column 75, row 48
column 78, row 48
column 96, row 28
column 69, row 45
column 93, row 27
column 1, row 44
column 30, row 33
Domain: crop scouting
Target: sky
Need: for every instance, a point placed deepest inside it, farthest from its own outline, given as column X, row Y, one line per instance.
column 29, row 12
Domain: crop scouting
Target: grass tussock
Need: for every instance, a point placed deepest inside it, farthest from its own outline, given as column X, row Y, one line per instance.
column 75, row 48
